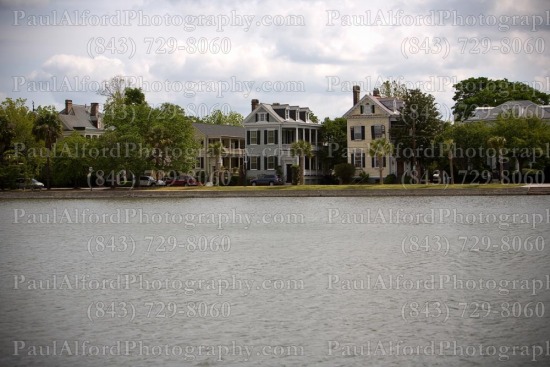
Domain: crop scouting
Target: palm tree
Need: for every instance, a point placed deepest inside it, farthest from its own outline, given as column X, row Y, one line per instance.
column 47, row 127
column 216, row 150
column 302, row 149
column 498, row 143
column 448, row 146
column 380, row 148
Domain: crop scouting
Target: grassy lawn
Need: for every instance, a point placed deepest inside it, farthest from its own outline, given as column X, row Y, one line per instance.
column 344, row 187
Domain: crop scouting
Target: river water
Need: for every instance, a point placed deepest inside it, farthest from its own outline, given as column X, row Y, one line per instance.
column 448, row 281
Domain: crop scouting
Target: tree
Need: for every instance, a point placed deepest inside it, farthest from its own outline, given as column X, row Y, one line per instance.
column 380, row 148
column 71, row 160
column 526, row 139
column 393, row 89
column 498, row 143
column 418, row 127
column 483, row 92
column 216, row 150
column 134, row 96
column 334, row 140
column 470, row 140
column 18, row 156
column 115, row 88
column 217, row 117
column 302, row 149
column 313, row 118
column 47, row 127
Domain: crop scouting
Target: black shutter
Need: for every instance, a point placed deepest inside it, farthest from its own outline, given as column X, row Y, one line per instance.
column 265, row 163
column 352, row 134
column 372, row 162
column 372, row 132
column 384, row 162
column 276, row 161
column 353, row 158
column 248, row 138
column 248, row 163
column 361, row 109
column 267, row 117
column 276, row 137
column 372, row 109
column 256, row 117
column 258, row 137
column 265, row 136
column 363, row 160
column 362, row 133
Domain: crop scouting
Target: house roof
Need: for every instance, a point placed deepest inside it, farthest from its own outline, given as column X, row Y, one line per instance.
column 218, row 131
column 521, row 108
column 78, row 118
column 386, row 104
column 271, row 110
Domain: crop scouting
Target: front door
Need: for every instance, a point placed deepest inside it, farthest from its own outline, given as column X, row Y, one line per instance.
column 289, row 173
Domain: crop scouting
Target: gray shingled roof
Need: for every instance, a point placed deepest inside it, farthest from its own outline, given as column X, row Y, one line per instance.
column 515, row 108
column 77, row 119
column 218, row 131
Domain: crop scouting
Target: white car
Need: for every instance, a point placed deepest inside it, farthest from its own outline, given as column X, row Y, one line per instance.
column 147, row 181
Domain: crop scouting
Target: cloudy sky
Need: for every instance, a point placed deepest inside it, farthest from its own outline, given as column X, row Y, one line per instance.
column 204, row 55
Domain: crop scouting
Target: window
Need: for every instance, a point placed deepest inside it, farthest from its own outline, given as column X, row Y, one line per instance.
column 254, row 163
column 358, row 158
column 253, row 137
column 367, row 109
column 288, row 136
column 262, row 117
column 358, row 133
column 271, row 162
column 374, row 162
column 199, row 163
column 307, row 135
column 271, row 137
column 378, row 131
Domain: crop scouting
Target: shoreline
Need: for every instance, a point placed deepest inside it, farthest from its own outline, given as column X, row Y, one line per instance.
column 205, row 193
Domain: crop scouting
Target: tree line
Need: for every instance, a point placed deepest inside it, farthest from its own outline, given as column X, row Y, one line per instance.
column 141, row 137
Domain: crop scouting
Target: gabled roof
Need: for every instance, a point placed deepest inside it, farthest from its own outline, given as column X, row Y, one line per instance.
column 78, row 118
column 521, row 108
column 385, row 104
column 219, row 131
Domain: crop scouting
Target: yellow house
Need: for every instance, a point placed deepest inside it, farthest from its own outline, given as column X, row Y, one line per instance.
column 370, row 118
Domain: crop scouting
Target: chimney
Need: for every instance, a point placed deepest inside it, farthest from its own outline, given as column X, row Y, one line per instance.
column 376, row 92
column 255, row 104
column 356, row 94
column 68, row 105
column 94, row 107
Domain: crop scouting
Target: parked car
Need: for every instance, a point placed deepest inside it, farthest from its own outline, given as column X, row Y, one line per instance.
column 147, row 181
column 267, row 180
column 29, row 183
column 184, row 180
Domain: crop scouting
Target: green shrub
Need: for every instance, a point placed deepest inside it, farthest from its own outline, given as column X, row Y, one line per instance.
column 390, row 179
column 345, row 172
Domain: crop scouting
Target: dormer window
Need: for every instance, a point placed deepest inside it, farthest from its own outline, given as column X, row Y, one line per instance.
column 367, row 109
column 262, row 117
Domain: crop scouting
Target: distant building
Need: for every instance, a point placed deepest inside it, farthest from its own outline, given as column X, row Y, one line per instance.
column 371, row 117
column 84, row 119
column 232, row 139
column 270, row 131
column 511, row 108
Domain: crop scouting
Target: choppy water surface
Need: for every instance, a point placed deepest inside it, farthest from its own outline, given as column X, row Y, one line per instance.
column 276, row 281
